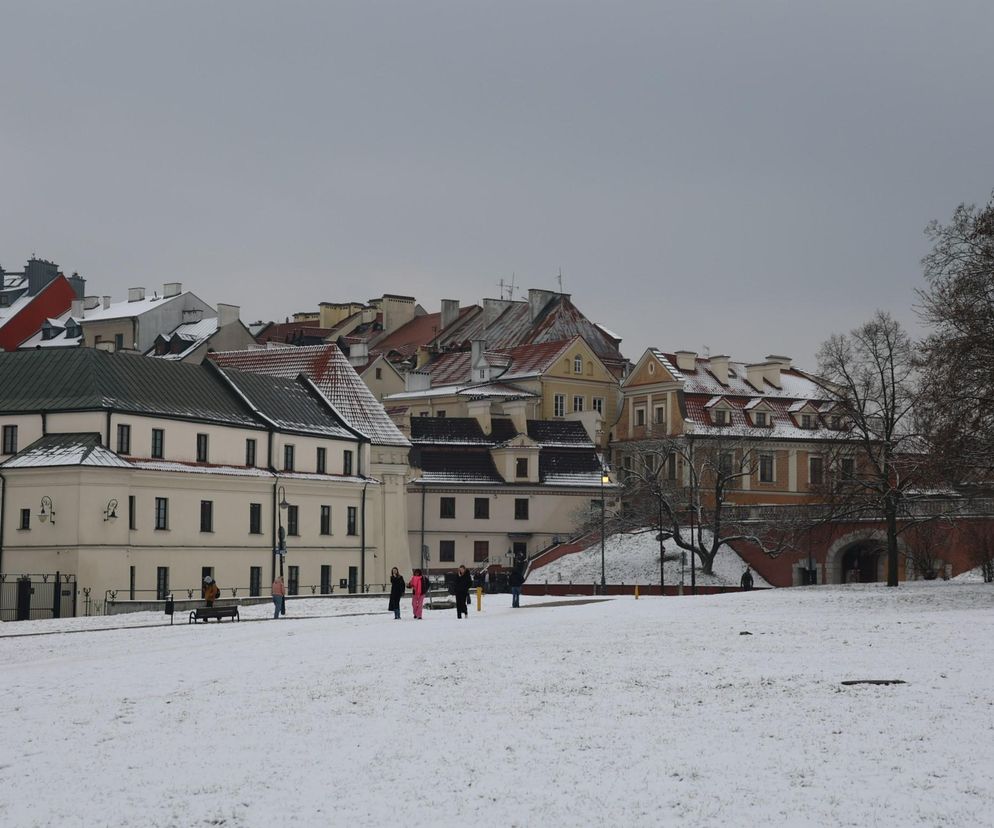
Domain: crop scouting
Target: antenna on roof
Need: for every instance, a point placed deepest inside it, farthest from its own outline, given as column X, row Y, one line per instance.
column 507, row 288
column 707, row 351
column 560, row 279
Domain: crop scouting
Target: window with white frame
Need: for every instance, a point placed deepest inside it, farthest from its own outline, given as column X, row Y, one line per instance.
column 805, row 421
column 760, row 418
column 559, row 405
column 766, row 468
column 816, row 470
column 578, row 402
column 640, row 416
column 597, row 404
column 721, row 416
column 659, row 415
column 578, row 365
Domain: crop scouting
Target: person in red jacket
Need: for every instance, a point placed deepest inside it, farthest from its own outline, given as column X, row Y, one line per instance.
column 279, row 596
column 419, row 588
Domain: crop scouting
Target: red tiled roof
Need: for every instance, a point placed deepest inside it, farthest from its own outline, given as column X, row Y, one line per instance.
column 290, row 332
column 418, row 332
column 524, row 360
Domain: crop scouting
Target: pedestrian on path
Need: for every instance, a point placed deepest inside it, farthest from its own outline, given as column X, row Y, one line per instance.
column 279, row 597
column 461, row 589
column 396, row 591
column 746, row 581
column 517, row 579
column 419, row 587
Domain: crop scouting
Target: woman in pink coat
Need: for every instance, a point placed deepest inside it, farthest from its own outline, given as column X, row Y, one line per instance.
column 419, row 586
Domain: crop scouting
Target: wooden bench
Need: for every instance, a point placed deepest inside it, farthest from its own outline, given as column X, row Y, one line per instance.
column 205, row 614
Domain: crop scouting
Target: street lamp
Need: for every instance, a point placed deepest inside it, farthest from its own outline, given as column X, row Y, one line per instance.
column 281, row 548
column 605, row 478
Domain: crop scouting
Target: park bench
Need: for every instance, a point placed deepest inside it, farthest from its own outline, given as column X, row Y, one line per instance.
column 205, row 614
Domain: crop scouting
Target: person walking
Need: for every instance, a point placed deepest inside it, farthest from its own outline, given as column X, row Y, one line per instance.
column 461, row 588
column 211, row 591
column 746, row 581
column 279, row 597
column 396, row 591
column 517, row 579
column 418, row 585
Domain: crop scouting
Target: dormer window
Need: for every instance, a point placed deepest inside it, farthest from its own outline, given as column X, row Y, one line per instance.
column 760, row 418
column 521, row 467
column 836, row 422
column 721, row 417
column 805, row 421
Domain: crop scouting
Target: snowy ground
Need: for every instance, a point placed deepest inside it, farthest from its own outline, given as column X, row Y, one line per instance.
column 634, row 559
column 616, row 712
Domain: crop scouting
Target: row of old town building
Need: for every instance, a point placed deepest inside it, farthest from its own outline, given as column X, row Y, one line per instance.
column 150, row 442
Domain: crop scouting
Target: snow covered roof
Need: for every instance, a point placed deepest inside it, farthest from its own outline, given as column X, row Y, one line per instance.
column 186, row 338
column 127, row 310
column 330, row 371
column 65, row 450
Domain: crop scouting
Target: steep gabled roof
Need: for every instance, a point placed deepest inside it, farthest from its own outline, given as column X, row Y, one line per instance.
column 417, row 333
column 65, row 450
column 330, row 371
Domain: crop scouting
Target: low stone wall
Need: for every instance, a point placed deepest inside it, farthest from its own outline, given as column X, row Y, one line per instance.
column 186, row 605
column 620, row 589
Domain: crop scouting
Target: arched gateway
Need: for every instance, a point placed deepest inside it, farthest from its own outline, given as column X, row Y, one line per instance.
column 858, row 557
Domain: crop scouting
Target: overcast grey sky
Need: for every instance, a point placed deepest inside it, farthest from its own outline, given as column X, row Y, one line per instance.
column 748, row 176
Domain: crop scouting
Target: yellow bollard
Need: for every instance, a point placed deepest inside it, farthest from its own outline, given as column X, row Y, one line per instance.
column 636, row 592
column 479, row 599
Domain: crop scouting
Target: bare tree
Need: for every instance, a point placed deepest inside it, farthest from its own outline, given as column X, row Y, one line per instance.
column 881, row 461
column 926, row 543
column 957, row 357
column 981, row 538
column 680, row 487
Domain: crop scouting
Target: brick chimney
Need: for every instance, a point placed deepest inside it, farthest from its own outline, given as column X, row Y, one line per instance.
column 686, row 360
column 450, row 312
column 719, row 367
column 538, row 299
column 136, row 294
column 172, row 289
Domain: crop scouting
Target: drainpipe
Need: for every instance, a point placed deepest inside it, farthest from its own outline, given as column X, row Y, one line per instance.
column 422, row 526
column 276, row 506
column 44, row 423
column 362, row 541
column 107, row 438
column 3, row 510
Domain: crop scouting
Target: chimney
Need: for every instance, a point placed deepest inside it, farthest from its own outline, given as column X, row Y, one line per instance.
column 417, row 381
column 423, row 357
column 136, row 294
column 191, row 315
column 517, row 410
column 91, row 302
column 784, row 361
column 76, row 309
column 492, row 308
column 771, row 373
column 450, row 312
column 106, row 302
column 686, row 360
column 358, row 354
column 480, row 411
column 538, row 299
column 719, row 367
column 755, row 374
column 172, row 289
column 226, row 314
column 78, row 285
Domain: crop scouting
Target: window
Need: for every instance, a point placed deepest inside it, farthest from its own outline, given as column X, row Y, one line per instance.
column 255, row 518
column 123, row 439
column 321, row 463
column 161, row 583
column 836, row 422
column 447, row 507
column 720, row 417
column 577, row 402
column 816, row 471
column 162, row 513
column 292, row 521
column 521, row 508
column 848, row 468
column 287, row 458
column 347, row 462
column 521, row 467
column 4, row 300
column 201, row 448
column 766, row 468
column 805, row 421
column 725, row 463
column 206, row 515
column 639, row 416
column 481, row 508
column 118, row 342
column 423, row 414
column 379, row 373
column 325, row 520
column 659, row 415
column 671, row 466
column 250, row 453
column 25, row 519
column 760, row 418
column 350, row 523
column 577, row 365
column 481, row 551
column 255, row 581
column 10, row 439
column 293, row 580
column 440, row 413
column 559, row 405
column 326, row 578
column 158, row 443
column 132, row 513
column 597, row 404
column 446, row 551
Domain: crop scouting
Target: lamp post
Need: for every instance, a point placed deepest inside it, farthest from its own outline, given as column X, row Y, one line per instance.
column 662, row 537
column 604, row 480
column 281, row 548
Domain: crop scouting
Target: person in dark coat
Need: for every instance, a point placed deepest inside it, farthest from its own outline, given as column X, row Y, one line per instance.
column 396, row 591
column 517, row 579
column 461, row 587
column 746, row 581
column 211, row 591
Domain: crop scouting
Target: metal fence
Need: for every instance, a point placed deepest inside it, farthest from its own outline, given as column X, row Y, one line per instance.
column 30, row 597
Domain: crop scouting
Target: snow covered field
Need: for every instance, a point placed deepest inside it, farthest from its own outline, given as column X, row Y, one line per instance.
column 616, row 712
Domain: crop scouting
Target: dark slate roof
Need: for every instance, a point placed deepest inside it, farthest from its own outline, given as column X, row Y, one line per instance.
column 458, row 467
column 559, row 433
column 83, row 449
column 287, row 403
column 75, row 379
column 448, row 430
column 565, row 461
